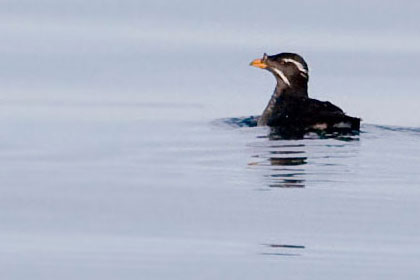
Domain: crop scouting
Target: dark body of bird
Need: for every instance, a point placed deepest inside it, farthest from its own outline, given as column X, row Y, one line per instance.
column 290, row 107
column 308, row 113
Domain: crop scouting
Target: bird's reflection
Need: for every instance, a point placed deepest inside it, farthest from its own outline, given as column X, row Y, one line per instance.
column 285, row 162
column 283, row 155
column 287, row 171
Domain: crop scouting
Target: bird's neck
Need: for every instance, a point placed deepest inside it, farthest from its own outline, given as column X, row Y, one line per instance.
column 296, row 89
column 281, row 90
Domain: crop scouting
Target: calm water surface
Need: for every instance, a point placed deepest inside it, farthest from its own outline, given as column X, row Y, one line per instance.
column 204, row 199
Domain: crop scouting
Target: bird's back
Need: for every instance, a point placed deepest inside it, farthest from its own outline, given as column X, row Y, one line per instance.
column 307, row 113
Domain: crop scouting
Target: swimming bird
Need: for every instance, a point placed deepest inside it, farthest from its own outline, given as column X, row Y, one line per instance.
column 290, row 105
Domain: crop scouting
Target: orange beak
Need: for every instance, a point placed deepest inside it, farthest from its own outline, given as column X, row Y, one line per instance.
column 258, row 63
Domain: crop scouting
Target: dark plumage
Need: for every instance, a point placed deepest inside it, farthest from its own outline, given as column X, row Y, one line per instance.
column 290, row 106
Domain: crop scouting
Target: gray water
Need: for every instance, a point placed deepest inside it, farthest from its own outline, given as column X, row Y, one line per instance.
column 119, row 159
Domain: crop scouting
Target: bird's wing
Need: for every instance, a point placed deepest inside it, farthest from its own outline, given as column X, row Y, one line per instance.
column 313, row 111
column 314, row 106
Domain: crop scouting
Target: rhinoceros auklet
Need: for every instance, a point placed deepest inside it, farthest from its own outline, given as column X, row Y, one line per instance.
column 290, row 106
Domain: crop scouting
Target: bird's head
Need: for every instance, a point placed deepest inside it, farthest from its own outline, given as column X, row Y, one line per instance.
column 290, row 70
